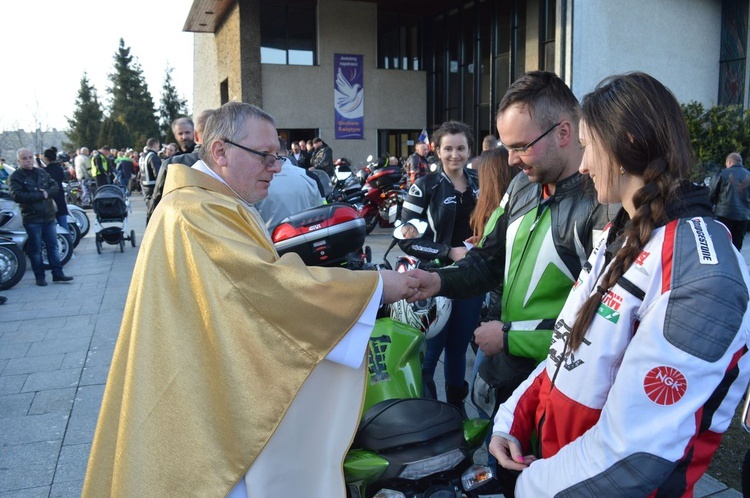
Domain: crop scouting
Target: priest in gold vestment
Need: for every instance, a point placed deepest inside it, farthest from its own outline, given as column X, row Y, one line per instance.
column 236, row 372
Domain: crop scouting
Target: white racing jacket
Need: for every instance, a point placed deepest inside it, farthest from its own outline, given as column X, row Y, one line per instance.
column 640, row 408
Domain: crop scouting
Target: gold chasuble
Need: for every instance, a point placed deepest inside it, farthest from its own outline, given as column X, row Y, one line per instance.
column 218, row 335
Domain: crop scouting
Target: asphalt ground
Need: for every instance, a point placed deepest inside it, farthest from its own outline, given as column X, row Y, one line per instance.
column 56, row 344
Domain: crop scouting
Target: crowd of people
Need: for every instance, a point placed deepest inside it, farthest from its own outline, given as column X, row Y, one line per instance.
column 613, row 337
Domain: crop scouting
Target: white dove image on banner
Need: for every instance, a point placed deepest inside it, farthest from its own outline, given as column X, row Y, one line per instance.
column 348, row 96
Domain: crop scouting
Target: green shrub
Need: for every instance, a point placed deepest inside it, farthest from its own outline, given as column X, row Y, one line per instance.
column 714, row 133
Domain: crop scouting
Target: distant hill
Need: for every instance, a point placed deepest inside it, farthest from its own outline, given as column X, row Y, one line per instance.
column 11, row 141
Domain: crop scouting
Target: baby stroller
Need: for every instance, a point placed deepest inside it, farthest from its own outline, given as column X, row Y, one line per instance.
column 111, row 206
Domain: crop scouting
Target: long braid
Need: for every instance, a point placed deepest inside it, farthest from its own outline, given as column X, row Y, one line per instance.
column 650, row 202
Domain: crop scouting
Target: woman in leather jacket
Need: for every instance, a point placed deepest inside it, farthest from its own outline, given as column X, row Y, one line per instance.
column 445, row 199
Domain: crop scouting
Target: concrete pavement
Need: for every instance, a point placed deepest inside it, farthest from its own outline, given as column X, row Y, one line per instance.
column 56, row 344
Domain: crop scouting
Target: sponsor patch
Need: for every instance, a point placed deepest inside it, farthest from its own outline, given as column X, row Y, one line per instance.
column 664, row 385
column 450, row 200
column 642, row 258
column 415, row 191
column 703, row 243
column 430, row 250
column 610, row 307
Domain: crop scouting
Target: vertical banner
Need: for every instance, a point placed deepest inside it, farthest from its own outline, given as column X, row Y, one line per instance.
column 348, row 97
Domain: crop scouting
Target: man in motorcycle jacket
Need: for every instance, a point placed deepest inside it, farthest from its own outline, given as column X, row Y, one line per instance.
column 33, row 189
column 539, row 243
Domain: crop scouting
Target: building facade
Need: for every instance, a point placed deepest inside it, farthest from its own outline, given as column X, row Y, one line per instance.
column 421, row 63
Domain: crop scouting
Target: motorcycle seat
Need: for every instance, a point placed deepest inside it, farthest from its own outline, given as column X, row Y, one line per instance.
column 398, row 422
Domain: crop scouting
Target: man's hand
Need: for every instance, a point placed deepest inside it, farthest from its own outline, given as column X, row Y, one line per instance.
column 489, row 337
column 397, row 286
column 508, row 454
column 429, row 284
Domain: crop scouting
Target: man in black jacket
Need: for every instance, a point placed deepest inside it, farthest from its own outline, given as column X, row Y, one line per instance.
column 730, row 194
column 188, row 159
column 33, row 189
column 323, row 156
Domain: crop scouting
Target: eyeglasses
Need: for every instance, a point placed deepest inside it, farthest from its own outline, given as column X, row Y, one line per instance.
column 268, row 159
column 523, row 150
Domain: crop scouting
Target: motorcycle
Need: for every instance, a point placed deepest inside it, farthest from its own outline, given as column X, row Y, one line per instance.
column 11, row 227
column 383, row 193
column 345, row 186
column 406, row 445
column 12, row 263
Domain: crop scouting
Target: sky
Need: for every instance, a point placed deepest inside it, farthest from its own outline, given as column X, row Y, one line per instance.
column 46, row 45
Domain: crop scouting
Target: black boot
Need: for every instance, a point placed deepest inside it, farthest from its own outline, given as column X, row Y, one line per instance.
column 456, row 396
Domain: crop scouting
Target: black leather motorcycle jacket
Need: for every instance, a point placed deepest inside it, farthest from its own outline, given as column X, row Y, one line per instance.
column 433, row 198
column 576, row 217
column 26, row 189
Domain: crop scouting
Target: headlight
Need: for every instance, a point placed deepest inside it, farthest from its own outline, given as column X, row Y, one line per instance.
column 475, row 476
column 417, row 470
column 389, row 493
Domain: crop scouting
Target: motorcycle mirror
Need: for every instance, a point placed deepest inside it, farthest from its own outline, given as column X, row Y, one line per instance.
column 369, row 158
column 411, row 229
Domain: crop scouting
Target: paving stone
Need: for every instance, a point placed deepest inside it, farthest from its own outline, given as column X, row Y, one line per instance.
column 8, row 351
column 99, row 357
column 72, row 463
column 15, row 405
column 32, row 428
column 71, row 332
column 43, row 324
column 67, row 489
column 94, row 375
column 53, row 401
column 75, row 359
column 25, row 466
column 23, row 335
column 42, row 492
column 7, row 325
column 85, row 415
column 58, row 346
column 59, row 312
column 707, row 485
column 57, row 379
column 12, row 384
column 33, row 364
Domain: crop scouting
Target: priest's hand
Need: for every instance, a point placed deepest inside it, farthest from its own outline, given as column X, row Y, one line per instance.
column 429, row 284
column 490, row 337
column 397, row 286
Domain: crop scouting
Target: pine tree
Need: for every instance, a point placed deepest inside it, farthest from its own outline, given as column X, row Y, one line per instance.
column 116, row 134
column 171, row 108
column 132, row 104
column 86, row 123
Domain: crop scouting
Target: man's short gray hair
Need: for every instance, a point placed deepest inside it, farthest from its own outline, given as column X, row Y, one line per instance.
column 227, row 122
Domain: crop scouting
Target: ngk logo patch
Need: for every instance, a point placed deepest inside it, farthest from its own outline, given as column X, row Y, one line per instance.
column 610, row 307
column 664, row 385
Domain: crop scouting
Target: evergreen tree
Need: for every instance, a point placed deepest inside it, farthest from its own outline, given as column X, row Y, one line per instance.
column 132, row 104
column 171, row 108
column 116, row 134
column 86, row 123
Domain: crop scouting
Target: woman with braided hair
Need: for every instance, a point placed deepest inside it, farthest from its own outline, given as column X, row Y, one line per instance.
column 647, row 362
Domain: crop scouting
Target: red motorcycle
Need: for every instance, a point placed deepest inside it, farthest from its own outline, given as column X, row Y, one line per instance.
column 384, row 192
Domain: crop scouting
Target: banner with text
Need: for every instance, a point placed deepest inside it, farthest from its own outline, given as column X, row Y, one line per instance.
column 348, row 97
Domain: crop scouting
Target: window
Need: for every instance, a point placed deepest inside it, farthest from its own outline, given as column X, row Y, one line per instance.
column 733, row 56
column 287, row 34
column 399, row 143
column 547, row 35
column 399, row 41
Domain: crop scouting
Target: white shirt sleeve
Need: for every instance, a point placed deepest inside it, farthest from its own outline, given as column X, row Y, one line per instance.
column 349, row 351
